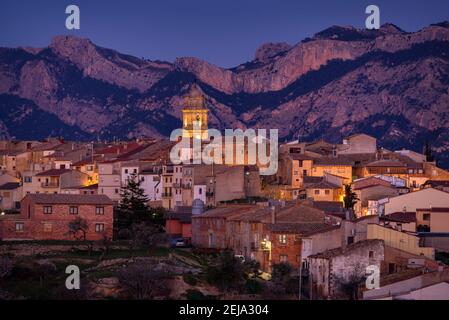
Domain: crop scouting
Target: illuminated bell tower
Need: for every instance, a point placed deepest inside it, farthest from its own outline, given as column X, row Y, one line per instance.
column 194, row 115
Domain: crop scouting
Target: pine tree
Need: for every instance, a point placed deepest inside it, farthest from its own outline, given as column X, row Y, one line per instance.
column 133, row 206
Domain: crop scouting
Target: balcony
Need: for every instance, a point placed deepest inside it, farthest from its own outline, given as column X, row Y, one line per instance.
column 167, row 195
column 177, row 185
column 187, row 186
column 50, row 184
column 210, row 194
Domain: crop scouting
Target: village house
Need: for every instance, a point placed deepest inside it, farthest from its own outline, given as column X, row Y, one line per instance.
column 401, row 221
column 10, row 196
column 47, row 217
column 369, row 189
column 433, row 220
column 53, row 181
column 167, row 187
column 407, row 242
column 178, row 224
column 150, row 178
column 328, row 188
column 330, row 270
column 109, row 180
column 410, row 202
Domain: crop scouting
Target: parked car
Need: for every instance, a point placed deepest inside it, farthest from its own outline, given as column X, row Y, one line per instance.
column 178, row 243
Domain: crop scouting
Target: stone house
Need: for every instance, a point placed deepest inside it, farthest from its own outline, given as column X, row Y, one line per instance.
column 47, row 217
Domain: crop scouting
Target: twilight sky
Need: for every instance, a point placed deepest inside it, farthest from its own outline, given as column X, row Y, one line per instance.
column 224, row 32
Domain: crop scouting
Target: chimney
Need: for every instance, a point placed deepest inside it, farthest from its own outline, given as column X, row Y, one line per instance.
column 273, row 214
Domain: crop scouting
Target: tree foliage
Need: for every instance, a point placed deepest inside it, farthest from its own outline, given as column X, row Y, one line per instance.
column 145, row 281
column 134, row 209
column 78, row 228
column 350, row 198
column 226, row 272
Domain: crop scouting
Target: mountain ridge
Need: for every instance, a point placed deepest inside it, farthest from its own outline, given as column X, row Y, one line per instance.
column 390, row 83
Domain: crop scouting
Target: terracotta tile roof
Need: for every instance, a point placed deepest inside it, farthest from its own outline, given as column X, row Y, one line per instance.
column 183, row 217
column 437, row 184
column 370, row 182
column 10, row 186
column 323, row 185
column 387, row 163
column 118, row 149
column 339, row 161
column 339, row 251
column 300, row 214
column 227, row 211
column 53, row 172
column 405, row 217
column 69, row 199
column 434, row 210
column 303, row 229
column 312, row 180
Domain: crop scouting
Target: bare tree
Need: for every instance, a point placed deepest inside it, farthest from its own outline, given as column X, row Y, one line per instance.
column 145, row 281
column 349, row 286
column 78, row 229
column 146, row 236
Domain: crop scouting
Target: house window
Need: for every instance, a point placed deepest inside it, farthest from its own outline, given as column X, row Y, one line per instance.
column 317, row 192
column 200, row 191
column 19, row 226
column 99, row 211
column 426, row 216
column 350, row 240
column 27, row 179
column 283, row 239
column 48, row 209
column 116, row 191
column 99, row 227
column 73, row 210
column 283, row 258
column 48, row 227
column 371, row 254
column 126, row 171
column 327, row 192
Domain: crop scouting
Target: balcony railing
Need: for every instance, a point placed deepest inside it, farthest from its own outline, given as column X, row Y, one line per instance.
column 50, row 185
column 177, row 185
column 187, row 186
column 210, row 194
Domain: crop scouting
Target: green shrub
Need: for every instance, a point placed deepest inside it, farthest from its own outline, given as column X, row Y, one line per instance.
column 253, row 286
column 190, row 279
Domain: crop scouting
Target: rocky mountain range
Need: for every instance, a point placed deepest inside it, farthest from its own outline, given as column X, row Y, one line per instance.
column 388, row 83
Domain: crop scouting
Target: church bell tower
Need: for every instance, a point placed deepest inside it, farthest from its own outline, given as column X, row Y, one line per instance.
column 194, row 115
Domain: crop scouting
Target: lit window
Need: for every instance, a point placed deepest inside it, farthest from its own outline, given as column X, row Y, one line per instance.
column 283, row 239
column 283, row 258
